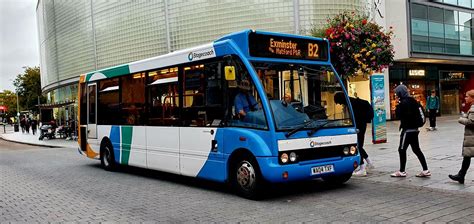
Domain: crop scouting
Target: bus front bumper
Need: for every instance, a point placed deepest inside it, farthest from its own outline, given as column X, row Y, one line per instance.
column 274, row 172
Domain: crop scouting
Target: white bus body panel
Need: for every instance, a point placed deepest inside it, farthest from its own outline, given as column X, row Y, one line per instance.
column 195, row 146
column 138, row 150
column 163, row 148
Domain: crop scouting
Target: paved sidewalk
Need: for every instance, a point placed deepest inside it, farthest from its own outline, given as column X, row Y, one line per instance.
column 31, row 139
column 442, row 149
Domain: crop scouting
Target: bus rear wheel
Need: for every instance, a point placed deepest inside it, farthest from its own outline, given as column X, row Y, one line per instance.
column 338, row 180
column 246, row 179
column 107, row 157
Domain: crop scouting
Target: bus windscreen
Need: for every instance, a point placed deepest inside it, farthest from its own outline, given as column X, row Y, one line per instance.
column 271, row 46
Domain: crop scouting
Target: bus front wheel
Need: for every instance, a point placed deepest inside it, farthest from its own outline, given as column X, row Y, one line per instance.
column 107, row 157
column 338, row 180
column 247, row 180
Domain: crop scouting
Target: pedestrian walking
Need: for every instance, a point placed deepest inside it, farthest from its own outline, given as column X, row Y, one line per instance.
column 22, row 124
column 409, row 112
column 466, row 119
column 27, row 124
column 363, row 114
column 432, row 107
column 34, row 126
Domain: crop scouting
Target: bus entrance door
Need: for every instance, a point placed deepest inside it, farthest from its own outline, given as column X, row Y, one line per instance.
column 197, row 145
column 92, row 110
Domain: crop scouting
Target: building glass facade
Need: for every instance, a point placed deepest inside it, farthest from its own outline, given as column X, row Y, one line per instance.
column 441, row 31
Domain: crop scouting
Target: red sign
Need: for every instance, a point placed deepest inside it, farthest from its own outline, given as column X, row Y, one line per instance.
column 3, row 108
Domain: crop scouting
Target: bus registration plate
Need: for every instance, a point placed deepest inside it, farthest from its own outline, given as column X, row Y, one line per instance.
column 322, row 169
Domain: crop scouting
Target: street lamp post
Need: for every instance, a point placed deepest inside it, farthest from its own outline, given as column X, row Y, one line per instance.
column 17, row 108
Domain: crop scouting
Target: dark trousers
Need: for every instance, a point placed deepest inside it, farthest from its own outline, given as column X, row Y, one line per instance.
column 466, row 162
column 432, row 114
column 360, row 142
column 406, row 139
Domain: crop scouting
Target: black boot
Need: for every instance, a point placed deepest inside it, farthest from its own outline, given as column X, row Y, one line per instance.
column 458, row 177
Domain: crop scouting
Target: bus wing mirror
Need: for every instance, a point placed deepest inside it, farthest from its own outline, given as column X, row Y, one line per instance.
column 229, row 73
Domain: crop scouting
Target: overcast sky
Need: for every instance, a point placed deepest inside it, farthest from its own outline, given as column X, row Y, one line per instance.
column 18, row 39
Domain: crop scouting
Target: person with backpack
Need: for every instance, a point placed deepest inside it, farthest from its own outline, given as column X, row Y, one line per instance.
column 467, row 119
column 411, row 116
column 363, row 114
column 432, row 107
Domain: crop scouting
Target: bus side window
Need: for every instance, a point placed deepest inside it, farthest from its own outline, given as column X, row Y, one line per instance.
column 163, row 98
column 133, row 99
column 244, row 100
column 108, row 102
column 203, row 99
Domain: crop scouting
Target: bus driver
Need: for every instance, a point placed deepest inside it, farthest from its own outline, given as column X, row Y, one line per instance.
column 244, row 101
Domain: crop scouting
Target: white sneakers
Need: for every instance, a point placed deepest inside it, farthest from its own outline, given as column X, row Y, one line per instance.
column 424, row 173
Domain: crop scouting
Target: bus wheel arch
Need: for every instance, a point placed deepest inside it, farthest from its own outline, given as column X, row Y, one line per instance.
column 107, row 159
column 244, row 174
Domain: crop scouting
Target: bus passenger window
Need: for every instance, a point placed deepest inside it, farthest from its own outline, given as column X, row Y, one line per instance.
column 203, row 98
column 133, row 99
column 163, row 98
column 108, row 102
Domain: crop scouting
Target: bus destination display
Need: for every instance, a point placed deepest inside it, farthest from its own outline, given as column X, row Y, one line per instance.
column 269, row 46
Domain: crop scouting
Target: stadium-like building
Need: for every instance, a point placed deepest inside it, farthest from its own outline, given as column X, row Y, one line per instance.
column 80, row 36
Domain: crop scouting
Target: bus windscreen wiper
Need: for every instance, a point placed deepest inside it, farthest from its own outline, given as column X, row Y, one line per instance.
column 290, row 133
column 313, row 130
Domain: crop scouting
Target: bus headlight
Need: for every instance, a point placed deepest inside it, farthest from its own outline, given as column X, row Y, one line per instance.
column 353, row 150
column 292, row 157
column 346, row 150
column 284, row 158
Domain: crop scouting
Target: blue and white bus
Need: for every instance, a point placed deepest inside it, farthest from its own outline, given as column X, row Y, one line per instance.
column 250, row 108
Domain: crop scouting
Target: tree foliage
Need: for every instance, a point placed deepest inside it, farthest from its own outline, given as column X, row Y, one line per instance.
column 8, row 98
column 28, row 86
column 358, row 46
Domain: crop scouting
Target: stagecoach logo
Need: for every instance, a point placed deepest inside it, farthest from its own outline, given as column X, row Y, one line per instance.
column 318, row 144
column 208, row 53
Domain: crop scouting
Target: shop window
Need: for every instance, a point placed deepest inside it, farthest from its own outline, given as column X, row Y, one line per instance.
column 132, row 99
column 203, row 104
column 108, row 102
column 163, row 97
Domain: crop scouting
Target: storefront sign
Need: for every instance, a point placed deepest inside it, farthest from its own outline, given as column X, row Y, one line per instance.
column 419, row 73
column 451, row 76
column 379, row 126
column 271, row 46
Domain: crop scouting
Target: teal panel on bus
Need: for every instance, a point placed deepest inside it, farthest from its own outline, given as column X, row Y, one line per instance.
column 111, row 72
column 126, row 144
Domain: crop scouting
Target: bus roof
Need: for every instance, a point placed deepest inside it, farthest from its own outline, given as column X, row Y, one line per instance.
column 286, row 46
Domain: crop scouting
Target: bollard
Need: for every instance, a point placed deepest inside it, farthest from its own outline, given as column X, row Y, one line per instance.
column 4, row 128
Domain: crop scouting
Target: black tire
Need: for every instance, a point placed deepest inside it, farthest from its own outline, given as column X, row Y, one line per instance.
column 107, row 160
column 338, row 180
column 246, row 179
